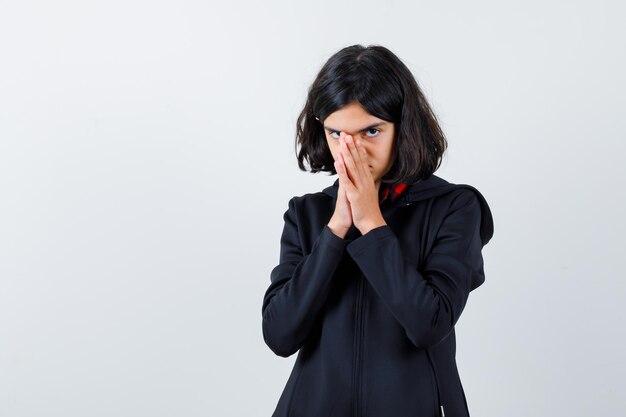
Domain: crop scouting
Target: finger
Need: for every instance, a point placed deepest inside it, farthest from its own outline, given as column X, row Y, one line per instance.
column 344, row 180
column 356, row 154
column 364, row 158
column 340, row 171
column 341, row 154
column 356, row 158
column 349, row 161
column 347, row 175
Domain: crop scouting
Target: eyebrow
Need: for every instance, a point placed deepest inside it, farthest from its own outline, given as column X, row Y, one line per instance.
column 362, row 130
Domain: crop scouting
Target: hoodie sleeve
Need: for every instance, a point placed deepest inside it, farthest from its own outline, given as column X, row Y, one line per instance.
column 428, row 303
column 299, row 287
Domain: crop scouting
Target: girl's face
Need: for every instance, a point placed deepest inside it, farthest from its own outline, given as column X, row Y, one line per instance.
column 376, row 136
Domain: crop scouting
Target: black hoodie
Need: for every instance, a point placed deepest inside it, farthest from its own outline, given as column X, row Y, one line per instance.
column 373, row 315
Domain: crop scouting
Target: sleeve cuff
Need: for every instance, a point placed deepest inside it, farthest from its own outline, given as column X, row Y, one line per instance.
column 332, row 239
column 361, row 243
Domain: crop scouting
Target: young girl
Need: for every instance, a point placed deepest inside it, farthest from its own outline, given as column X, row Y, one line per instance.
column 376, row 269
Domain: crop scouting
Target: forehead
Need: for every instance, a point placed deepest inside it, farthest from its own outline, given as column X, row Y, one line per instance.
column 352, row 118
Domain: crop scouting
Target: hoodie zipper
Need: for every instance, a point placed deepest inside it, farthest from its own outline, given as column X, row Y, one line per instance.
column 358, row 329
column 440, row 409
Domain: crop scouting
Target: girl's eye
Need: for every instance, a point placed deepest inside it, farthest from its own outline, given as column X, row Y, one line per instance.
column 369, row 130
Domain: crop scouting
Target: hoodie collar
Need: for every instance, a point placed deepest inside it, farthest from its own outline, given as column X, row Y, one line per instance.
column 394, row 191
column 429, row 187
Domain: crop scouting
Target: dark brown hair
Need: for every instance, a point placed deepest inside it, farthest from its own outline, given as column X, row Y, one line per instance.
column 376, row 78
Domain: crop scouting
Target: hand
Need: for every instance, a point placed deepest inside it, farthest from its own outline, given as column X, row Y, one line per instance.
column 360, row 187
column 342, row 217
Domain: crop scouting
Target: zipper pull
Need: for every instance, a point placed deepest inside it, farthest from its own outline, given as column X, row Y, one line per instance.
column 442, row 413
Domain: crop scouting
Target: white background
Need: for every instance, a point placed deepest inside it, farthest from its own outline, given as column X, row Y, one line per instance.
column 147, row 157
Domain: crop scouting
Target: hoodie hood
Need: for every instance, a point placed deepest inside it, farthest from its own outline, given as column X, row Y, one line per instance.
column 434, row 186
